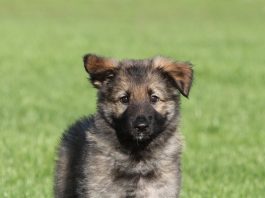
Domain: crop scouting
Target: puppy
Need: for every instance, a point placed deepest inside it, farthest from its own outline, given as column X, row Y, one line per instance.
column 131, row 147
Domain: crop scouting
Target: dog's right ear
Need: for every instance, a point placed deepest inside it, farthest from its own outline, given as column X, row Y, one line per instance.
column 101, row 70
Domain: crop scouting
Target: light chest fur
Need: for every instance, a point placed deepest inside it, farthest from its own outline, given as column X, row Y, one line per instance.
column 113, row 173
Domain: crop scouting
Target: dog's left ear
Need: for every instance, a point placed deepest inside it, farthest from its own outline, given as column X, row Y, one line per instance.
column 180, row 72
column 100, row 69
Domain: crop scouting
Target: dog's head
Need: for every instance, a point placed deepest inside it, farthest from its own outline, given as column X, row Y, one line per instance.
column 139, row 98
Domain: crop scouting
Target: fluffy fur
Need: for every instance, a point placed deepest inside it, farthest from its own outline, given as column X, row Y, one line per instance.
column 131, row 147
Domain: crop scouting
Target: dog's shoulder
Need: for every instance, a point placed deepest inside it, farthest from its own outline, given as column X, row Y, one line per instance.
column 76, row 134
column 74, row 143
column 71, row 154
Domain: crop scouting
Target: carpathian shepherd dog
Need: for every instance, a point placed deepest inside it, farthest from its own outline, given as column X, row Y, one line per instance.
column 131, row 147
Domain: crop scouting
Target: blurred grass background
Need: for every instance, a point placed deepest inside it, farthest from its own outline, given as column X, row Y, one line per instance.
column 44, row 87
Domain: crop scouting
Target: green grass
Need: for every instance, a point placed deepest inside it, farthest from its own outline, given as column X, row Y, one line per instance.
column 44, row 87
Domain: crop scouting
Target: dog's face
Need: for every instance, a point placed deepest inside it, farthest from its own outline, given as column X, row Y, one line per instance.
column 139, row 98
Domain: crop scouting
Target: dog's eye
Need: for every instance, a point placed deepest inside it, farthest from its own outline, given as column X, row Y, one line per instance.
column 154, row 99
column 124, row 99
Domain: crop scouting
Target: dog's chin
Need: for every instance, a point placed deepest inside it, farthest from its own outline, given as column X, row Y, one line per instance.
column 141, row 136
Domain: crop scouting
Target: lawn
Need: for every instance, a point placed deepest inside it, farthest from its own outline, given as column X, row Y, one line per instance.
column 44, row 86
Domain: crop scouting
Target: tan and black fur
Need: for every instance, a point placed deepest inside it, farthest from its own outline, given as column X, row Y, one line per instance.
column 131, row 147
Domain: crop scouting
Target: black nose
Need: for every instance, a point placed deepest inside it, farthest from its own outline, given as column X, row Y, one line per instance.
column 141, row 123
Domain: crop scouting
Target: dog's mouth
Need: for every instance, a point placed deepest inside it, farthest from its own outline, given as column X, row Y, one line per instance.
column 141, row 135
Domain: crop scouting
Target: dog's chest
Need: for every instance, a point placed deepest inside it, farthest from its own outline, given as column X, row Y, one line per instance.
column 123, row 177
